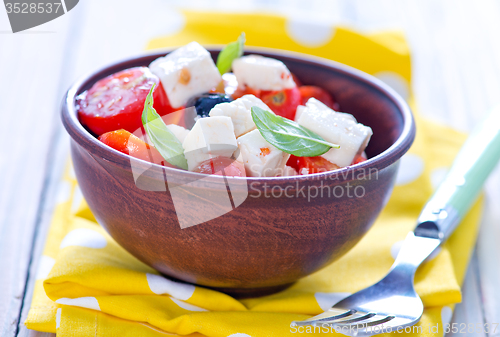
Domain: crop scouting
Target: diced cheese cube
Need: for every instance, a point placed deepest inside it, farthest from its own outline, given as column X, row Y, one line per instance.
column 339, row 129
column 260, row 158
column 299, row 111
column 238, row 155
column 210, row 137
column 313, row 103
column 264, row 73
column 178, row 131
column 186, row 72
column 289, row 171
column 240, row 112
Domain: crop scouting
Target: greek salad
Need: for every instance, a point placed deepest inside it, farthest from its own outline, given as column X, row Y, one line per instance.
column 250, row 116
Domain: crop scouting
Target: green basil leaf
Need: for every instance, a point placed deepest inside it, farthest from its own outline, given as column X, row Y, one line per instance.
column 230, row 53
column 288, row 136
column 162, row 138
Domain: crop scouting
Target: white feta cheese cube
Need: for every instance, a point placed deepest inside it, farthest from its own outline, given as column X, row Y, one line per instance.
column 289, row 171
column 336, row 128
column 313, row 103
column 186, row 72
column 210, row 137
column 178, row 131
column 299, row 111
column 240, row 112
column 260, row 158
column 264, row 73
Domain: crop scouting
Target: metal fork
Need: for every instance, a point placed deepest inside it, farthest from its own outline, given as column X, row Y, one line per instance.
column 392, row 303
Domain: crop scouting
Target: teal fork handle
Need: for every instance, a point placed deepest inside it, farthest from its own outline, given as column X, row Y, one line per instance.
column 461, row 187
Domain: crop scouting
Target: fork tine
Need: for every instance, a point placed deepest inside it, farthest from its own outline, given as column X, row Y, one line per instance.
column 357, row 317
column 329, row 315
column 373, row 320
column 365, row 327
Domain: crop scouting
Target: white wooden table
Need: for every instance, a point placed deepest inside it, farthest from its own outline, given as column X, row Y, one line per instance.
column 456, row 57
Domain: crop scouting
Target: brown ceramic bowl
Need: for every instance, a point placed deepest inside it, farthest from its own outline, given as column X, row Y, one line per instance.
column 282, row 231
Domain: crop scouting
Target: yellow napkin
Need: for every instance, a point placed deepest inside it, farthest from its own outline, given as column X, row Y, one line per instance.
column 89, row 286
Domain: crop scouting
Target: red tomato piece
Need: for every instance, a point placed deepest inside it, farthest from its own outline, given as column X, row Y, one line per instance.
column 283, row 102
column 309, row 165
column 117, row 101
column 308, row 91
column 293, row 161
column 359, row 159
column 231, row 167
column 127, row 143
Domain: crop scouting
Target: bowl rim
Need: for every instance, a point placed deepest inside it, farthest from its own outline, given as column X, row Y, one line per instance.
column 382, row 160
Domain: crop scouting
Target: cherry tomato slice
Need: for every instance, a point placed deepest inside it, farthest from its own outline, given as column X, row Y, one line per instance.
column 117, row 101
column 293, row 162
column 308, row 91
column 127, row 143
column 231, row 167
column 309, row 165
column 359, row 159
column 283, row 102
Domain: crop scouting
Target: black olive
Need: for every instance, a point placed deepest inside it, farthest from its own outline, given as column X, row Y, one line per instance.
column 205, row 102
column 202, row 105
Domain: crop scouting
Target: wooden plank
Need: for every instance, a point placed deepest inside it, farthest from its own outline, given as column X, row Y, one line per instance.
column 488, row 251
column 470, row 311
column 33, row 333
column 51, row 197
column 34, row 65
